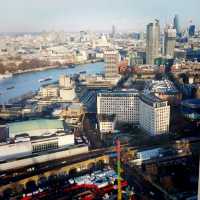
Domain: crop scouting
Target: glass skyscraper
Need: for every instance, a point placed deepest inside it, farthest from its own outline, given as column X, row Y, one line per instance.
column 177, row 25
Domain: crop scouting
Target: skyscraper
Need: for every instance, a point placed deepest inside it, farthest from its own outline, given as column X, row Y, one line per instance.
column 111, row 58
column 177, row 25
column 191, row 30
column 153, row 42
column 113, row 31
column 169, row 41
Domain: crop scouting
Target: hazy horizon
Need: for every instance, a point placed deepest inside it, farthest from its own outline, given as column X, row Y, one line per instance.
column 127, row 15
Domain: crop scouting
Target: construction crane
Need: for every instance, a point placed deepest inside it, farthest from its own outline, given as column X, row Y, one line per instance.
column 119, row 192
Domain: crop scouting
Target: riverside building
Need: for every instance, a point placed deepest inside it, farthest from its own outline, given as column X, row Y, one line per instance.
column 111, row 58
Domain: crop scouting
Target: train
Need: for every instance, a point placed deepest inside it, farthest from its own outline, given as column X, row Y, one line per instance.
column 38, row 158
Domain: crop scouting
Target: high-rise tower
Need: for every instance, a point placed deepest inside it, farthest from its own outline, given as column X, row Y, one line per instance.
column 153, row 42
column 169, row 41
column 177, row 25
column 113, row 31
column 191, row 30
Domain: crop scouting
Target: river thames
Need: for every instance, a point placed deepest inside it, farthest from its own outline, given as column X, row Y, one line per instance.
column 21, row 84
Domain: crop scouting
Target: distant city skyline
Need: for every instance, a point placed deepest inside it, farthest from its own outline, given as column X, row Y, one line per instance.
column 38, row 15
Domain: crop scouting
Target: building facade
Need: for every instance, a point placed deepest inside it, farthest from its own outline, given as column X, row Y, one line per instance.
column 107, row 123
column 177, row 25
column 65, row 81
column 153, row 42
column 49, row 91
column 20, row 149
column 111, row 59
column 170, row 42
column 124, row 104
column 154, row 116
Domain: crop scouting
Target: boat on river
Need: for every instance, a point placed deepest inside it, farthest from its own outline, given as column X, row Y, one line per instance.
column 10, row 88
column 45, row 79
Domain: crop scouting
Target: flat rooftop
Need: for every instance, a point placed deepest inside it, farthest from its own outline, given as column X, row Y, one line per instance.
column 75, row 106
column 150, row 99
column 118, row 93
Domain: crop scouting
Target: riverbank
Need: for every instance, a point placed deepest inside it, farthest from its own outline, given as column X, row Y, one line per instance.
column 25, row 82
column 54, row 67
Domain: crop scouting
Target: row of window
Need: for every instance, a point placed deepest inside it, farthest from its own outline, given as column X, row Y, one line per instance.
column 45, row 147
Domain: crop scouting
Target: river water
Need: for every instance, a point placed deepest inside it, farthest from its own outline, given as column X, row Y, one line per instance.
column 21, row 84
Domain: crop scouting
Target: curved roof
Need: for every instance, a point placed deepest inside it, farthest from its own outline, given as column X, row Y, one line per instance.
column 32, row 125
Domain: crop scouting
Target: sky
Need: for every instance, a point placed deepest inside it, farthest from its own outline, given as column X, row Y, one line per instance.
column 94, row 15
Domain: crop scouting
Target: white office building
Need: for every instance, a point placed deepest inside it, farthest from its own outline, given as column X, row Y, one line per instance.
column 154, row 114
column 124, row 104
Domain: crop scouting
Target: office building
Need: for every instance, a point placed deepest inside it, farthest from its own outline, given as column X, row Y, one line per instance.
column 153, row 42
column 107, row 123
column 169, row 42
column 49, row 91
column 65, row 81
column 111, row 59
column 154, row 114
column 113, row 31
column 124, row 104
column 67, row 88
column 177, row 25
column 191, row 30
column 75, row 110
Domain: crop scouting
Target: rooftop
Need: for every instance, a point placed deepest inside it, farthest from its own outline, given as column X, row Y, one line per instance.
column 75, row 106
column 150, row 98
column 163, row 86
column 31, row 125
column 118, row 93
